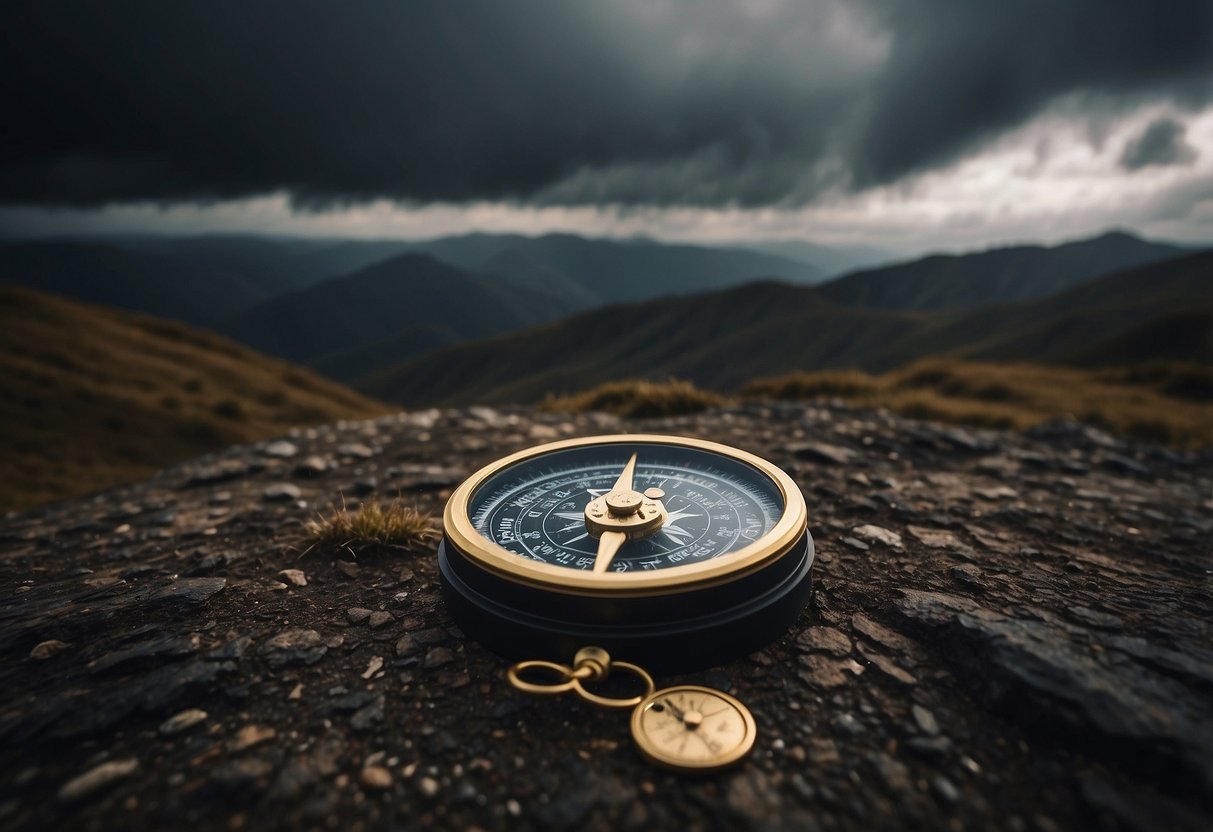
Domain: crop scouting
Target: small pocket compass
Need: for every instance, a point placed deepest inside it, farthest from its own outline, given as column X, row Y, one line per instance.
column 674, row 552
column 686, row 728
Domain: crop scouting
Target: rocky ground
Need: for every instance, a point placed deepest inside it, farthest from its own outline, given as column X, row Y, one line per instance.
column 1008, row 632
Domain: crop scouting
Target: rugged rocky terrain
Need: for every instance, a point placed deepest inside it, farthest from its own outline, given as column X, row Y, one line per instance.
column 1008, row 632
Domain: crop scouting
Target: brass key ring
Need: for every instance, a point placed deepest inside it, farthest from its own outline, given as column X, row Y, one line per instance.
column 514, row 674
column 663, row 721
column 591, row 664
column 608, row 702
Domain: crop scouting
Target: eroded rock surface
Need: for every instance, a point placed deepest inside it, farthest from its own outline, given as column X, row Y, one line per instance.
column 1008, row 632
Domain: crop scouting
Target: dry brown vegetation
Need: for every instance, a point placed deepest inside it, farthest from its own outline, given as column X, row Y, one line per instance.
column 634, row 399
column 1168, row 402
column 374, row 523
column 94, row 397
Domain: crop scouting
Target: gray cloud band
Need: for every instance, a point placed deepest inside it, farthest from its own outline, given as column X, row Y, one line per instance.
column 549, row 102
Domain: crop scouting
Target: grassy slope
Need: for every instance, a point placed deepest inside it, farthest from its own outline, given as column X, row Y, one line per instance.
column 94, row 397
column 1160, row 401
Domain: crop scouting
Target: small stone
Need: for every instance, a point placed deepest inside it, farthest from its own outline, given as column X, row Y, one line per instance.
column 824, row 640
column 357, row 615
column 890, row 668
column 945, row 790
column 821, row 671
column 848, row 724
column 877, row 534
column 893, row 772
column 822, row 452
column 296, row 692
column 350, row 570
column 376, row 777
column 186, row 593
column 997, row 493
column 379, row 619
column 44, row 650
column 183, row 721
column 406, row 645
column 251, row 735
column 438, row 657
column 428, row 786
column 294, row 577
column 373, row 667
column 280, row 449
column 925, row 719
column 294, row 647
column 356, row 449
column 368, row 715
column 967, row 574
column 882, row 635
column 281, row 492
column 312, row 466
column 97, row 778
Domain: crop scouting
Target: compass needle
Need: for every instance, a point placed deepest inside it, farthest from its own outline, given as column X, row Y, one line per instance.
column 624, row 483
column 608, row 546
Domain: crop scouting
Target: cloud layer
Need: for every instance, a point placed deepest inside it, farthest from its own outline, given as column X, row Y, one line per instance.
column 550, row 103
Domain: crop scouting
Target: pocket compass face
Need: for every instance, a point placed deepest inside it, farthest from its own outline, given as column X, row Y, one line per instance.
column 693, row 728
column 675, row 551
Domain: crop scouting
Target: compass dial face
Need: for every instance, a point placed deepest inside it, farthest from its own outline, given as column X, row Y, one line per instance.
column 715, row 505
column 693, row 727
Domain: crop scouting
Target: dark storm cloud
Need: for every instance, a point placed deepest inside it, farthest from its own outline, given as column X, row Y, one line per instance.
column 961, row 71
column 636, row 102
column 1161, row 143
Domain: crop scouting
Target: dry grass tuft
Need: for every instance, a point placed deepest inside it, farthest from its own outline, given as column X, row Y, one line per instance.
column 393, row 525
column 635, row 399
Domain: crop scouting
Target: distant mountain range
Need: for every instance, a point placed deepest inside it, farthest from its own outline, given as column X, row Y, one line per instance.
column 965, row 281
column 353, row 308
column 388, row 312
column 590, row 271
column 722, row 340
column 94, row 396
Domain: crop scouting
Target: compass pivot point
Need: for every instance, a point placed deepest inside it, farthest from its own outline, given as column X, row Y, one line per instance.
column 624, row 503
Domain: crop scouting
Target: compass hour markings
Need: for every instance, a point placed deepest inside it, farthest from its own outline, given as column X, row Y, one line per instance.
column 538, row 511
column 672, row 528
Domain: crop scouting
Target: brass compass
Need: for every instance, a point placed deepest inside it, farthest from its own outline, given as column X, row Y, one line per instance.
column 671, row 551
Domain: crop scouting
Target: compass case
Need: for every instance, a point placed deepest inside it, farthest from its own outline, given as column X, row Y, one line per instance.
column 676, row 631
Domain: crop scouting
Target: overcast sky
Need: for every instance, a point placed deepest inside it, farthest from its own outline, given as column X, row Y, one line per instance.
column 908, row 124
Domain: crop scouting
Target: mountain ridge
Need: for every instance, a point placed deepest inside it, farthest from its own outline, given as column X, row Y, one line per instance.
column 384, row 302
column 779, row 328
column 1007, row 273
